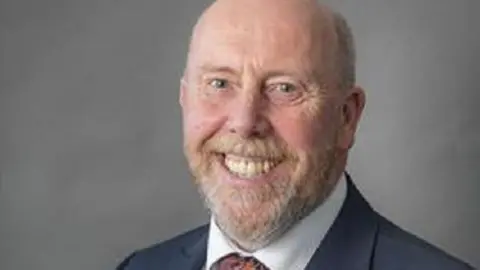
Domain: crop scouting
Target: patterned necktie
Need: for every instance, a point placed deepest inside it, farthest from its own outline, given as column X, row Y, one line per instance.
column 235, row 261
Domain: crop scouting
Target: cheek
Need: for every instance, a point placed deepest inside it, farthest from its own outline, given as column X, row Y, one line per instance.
column 200, row 123
column 301, row 132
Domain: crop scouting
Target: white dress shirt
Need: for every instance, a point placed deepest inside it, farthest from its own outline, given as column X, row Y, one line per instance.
column 294, row 249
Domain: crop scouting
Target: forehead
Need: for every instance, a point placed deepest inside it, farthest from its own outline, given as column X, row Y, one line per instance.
column 272, row 41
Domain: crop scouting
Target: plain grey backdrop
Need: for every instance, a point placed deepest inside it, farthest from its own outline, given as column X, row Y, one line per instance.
column 91, row 165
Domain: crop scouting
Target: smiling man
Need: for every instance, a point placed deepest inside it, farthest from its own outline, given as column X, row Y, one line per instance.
column 270, row 110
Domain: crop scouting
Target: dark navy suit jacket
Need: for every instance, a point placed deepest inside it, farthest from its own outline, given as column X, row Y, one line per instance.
column 359, row 239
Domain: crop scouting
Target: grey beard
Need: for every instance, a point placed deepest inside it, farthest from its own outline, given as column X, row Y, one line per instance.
column 286, row 210
column 279, row 219
column 285, row 203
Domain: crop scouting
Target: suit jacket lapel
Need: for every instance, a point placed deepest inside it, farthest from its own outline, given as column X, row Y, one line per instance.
column 194, row 255
column 350, row 241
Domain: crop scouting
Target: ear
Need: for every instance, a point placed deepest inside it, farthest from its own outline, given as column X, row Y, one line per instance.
column 182, row 93
column 351, row 112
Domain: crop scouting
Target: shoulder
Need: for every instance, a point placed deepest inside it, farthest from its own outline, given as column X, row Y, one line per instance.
column 398, row 249
column 163, row 252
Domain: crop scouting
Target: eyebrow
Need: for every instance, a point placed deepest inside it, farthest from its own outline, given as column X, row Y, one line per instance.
column 211, row 68
column 281, row 73
column 268, row 74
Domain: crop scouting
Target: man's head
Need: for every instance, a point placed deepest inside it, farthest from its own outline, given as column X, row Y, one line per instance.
column 270, row 111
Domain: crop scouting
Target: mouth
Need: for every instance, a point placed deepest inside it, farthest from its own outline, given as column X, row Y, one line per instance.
column 248, row 167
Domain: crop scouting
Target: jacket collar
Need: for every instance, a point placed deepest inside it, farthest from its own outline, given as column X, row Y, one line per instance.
column 350, row 241
column 194, row 254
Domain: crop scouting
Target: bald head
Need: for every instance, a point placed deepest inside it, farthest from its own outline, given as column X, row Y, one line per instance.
column 304, row 24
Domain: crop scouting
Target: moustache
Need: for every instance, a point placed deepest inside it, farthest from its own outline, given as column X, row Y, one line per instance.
column 253, row 147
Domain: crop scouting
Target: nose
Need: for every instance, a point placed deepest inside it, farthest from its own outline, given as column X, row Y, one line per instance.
column 246, row 116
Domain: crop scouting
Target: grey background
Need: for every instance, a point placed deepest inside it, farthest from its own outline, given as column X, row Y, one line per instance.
column 90, row 148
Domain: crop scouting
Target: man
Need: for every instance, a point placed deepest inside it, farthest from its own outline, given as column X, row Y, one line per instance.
column 270, row 110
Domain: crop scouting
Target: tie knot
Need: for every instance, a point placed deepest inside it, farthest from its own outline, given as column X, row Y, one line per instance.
column 235, row 261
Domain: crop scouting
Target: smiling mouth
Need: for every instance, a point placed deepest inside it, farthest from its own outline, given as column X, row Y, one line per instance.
column 249, row 167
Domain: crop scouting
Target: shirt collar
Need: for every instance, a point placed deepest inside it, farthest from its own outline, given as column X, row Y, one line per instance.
column 294, row 249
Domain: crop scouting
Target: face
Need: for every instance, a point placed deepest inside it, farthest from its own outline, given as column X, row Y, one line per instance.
column 262, row 127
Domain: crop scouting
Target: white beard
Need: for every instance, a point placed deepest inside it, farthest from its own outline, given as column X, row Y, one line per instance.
column 254, row 217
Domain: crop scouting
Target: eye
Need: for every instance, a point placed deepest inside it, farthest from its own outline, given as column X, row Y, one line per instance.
column 284, row 93
column 218, row 83
column 285, row 87
column 217, row 88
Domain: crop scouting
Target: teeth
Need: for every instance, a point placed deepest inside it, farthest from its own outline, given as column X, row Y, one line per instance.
column 258, row 167
column 251, row 169
column 248, row 168
column 266, row 166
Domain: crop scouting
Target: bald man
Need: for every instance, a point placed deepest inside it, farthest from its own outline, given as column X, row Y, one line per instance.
column 270, row 110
